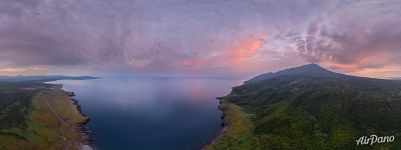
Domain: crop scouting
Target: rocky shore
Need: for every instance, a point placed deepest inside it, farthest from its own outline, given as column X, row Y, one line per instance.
column 88, row 135
column 223, row 126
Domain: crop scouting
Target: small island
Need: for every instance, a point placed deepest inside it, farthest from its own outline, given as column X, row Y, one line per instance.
column 38, row 115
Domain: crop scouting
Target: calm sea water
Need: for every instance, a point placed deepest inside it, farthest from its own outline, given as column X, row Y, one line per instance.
column 151, row 113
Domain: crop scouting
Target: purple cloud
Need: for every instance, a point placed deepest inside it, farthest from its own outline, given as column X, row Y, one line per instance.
column 202, row 37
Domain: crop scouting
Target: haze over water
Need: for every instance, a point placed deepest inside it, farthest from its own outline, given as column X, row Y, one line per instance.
column 151, row 113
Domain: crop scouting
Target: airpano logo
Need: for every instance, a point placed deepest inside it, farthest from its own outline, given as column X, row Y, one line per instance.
column 373, row 139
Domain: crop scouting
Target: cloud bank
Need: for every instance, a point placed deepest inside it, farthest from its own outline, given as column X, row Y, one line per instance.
column 199, row 37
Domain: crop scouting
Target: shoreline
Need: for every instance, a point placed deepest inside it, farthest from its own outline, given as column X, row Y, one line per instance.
column 236, row 125
column 222, row 129
column 85, row 132
column 47, row 117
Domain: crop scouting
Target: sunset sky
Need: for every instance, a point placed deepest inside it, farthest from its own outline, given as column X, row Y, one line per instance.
column 199, row 37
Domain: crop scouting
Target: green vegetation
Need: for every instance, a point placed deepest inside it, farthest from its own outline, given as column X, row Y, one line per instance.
column 311, row 108
column 15, row 99
column 27, row 122
column 239, row 134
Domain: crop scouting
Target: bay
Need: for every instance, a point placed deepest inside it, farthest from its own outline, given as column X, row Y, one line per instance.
column 151, row 113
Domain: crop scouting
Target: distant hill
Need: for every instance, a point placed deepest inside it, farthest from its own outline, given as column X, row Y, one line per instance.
column 310, row 70
column 395, row 78
column 44, row 78
column 309, row 107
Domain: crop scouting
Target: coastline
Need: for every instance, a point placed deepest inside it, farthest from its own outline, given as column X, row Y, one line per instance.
column 52, row 120
column 85, row 132
column 223, row 127
column 236, row 126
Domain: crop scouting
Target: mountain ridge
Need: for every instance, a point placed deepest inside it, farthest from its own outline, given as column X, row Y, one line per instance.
column 312, row 70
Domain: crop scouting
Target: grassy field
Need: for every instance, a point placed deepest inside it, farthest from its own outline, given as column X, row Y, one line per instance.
column 38, row 127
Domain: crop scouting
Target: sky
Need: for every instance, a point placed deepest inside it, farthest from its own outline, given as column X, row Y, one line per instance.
column 199, row 37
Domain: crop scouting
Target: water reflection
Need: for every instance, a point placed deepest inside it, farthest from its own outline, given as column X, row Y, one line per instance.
column 151, row 113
